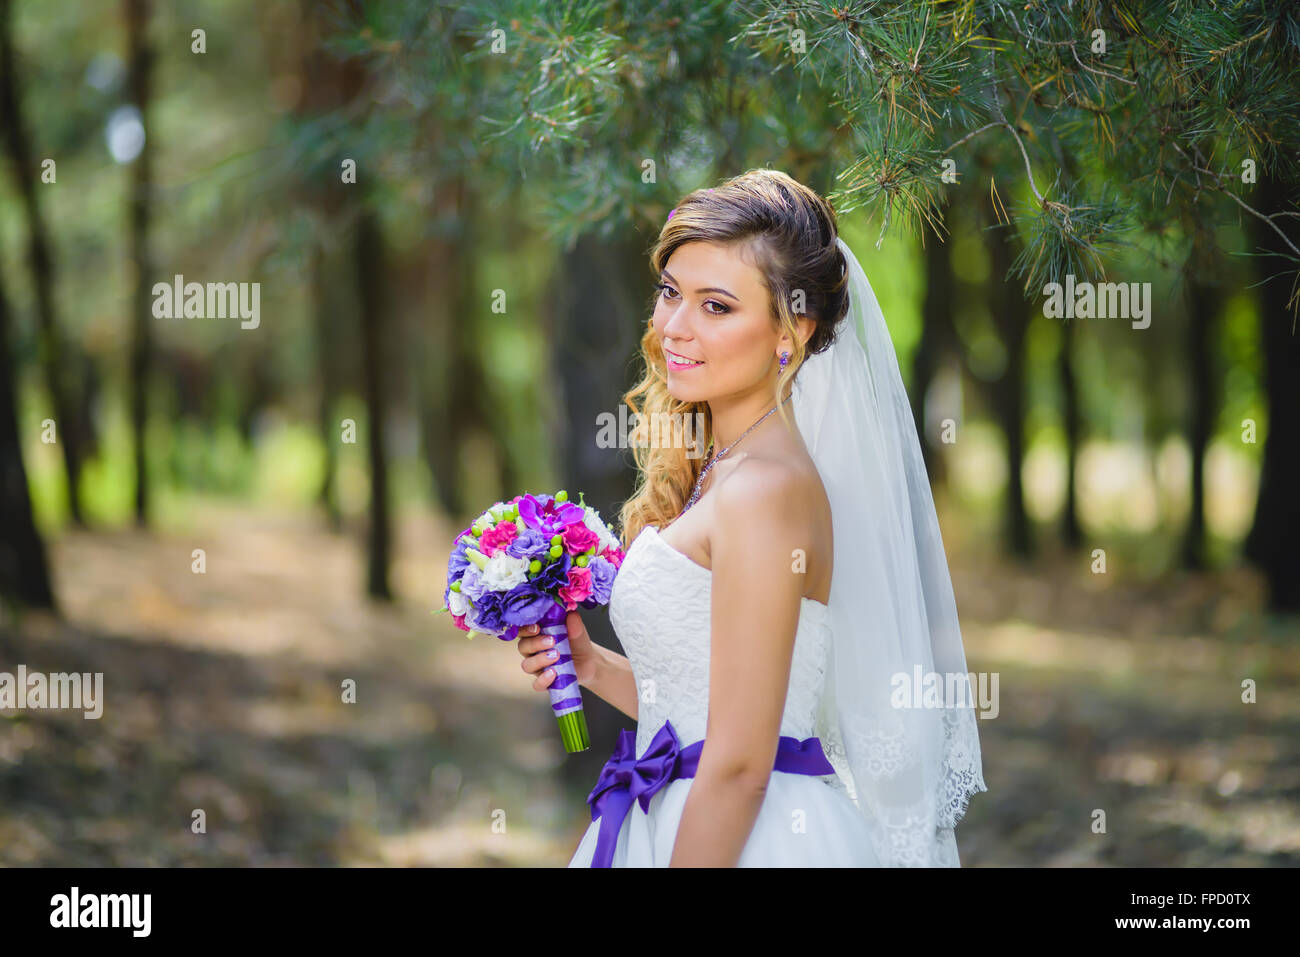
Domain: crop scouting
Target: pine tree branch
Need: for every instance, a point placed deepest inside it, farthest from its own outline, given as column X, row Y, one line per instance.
column 1002, row 117
column 1113, row 76
column 1215, row 54
column 1074, row 51
column 971, row 135
column 1219, row 185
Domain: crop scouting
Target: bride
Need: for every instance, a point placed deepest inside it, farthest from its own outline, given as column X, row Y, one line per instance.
column 780, row 597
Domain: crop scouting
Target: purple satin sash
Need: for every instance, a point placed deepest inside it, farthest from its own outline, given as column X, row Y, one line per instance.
column 626, row 778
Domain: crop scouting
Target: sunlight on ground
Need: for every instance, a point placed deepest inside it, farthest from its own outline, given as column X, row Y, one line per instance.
column 223, row 692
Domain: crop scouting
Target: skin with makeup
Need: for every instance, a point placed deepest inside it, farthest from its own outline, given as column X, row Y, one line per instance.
column 761, row 509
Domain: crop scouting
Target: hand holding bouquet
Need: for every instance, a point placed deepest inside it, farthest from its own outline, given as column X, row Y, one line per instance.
column 530, row 561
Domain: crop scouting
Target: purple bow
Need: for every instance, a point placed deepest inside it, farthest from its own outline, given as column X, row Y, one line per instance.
column 626, row 778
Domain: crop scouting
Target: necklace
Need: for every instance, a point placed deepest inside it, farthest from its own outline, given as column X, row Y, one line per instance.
column 699, row 482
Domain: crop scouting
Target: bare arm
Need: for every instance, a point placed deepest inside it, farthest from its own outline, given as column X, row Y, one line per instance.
column 614, row 681
column 755, row 612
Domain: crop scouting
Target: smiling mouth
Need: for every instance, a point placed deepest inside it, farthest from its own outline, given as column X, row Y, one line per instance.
column 680, row 362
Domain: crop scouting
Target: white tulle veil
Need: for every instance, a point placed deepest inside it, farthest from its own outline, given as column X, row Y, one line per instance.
column 910, row 763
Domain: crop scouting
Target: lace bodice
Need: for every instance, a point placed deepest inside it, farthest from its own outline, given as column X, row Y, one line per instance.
column 660, row 607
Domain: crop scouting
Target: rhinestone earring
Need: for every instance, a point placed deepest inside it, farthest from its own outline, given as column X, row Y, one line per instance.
column 785, row 357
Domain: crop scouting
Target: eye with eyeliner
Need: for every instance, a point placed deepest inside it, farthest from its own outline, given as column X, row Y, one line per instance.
column 663, row 287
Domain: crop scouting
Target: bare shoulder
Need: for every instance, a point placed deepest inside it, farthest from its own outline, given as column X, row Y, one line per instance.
column 770, row 492
column 775, row 505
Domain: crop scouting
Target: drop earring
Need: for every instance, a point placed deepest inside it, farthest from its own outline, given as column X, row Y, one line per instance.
column 785, row 357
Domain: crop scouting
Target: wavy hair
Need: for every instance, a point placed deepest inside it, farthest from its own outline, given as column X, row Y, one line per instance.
column 788, row 232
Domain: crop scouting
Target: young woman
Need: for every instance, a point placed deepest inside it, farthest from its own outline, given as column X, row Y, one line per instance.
column 777, row 595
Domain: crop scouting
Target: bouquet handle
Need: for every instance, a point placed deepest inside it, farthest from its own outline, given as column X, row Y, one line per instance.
column 566, row 693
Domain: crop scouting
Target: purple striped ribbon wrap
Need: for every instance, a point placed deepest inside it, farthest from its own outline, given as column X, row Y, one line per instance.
column 566, row 696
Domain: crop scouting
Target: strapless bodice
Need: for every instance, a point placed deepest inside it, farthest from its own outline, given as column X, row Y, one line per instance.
column 660, row 608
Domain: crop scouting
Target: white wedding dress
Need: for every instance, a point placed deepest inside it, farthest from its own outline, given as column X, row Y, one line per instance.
column 660, row 608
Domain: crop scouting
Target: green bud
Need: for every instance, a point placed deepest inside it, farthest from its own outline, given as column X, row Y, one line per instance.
column 519, row 523
column 581, row 561
column 556, row 540
column 477, row 557
column 561, row 496
column 534, row 566
column 556, row 551
column 455, row 586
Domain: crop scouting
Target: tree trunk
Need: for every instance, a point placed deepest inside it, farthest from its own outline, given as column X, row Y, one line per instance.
column 374, row 324
column 936, row 337
column 1071, row 532
column 1271, row 543
column 255, row 390
column 139, row 69
column 1203, row 303
column 329, row 86
column 598, row 312
column 24, row 574
column 328, row 365
column 1010, row 314
column 1071, row 416
column 449, row 381
column 57, row 360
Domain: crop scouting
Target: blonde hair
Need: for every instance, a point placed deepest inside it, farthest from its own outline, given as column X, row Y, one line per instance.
column 788, row 232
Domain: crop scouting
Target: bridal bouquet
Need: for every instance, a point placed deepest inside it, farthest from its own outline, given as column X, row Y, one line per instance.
column 531, row 561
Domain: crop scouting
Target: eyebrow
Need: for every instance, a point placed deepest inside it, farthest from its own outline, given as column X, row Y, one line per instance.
column 707, row 289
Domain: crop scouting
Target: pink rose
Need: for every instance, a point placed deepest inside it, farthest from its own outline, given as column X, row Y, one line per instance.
column 578, row 589
column 497, row 538
column 612, row 555
column 578, row 538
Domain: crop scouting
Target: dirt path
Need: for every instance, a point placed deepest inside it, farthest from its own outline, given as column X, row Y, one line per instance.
column 223, row 693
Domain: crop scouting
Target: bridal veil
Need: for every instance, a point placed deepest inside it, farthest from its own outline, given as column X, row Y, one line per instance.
column 897, row 719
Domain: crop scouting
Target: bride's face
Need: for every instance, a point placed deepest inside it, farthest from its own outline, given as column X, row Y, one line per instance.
column 713, row 307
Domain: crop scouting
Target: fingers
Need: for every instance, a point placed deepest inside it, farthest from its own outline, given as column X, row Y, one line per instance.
column 536, row 662
column 538, row 656
column 540, row 665
column 573, row 622
column 532, row 641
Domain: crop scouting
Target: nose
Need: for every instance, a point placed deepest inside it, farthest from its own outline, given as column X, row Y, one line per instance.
column 676, row 325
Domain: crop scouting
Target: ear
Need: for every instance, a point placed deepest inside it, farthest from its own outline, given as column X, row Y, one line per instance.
column 806, row 328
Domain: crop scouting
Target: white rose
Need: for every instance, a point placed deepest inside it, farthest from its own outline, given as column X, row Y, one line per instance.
column 503, row 572
column 593, row 522
column 457, row 603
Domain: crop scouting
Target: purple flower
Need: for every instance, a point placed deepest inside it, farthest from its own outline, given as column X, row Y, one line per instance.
column 602, row 581
column 471, row 584
column 524, row 605
column 547, row 516
column 554, row 576
column 532, row 512
column 530, row 543
column 457, row 563
column 488, row 607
